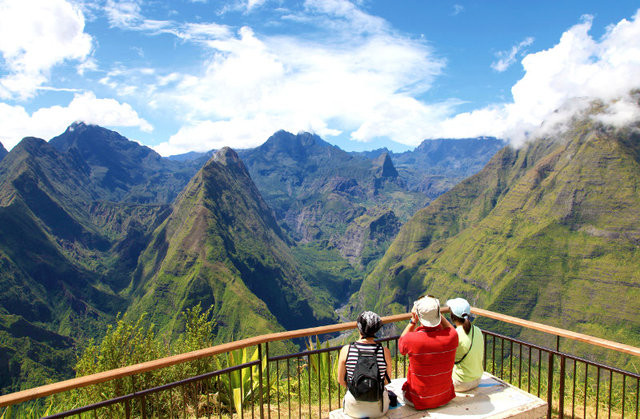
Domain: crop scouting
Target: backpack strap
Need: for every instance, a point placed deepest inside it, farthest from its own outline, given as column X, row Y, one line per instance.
column 351, row 345
column 473, row 330
column 386, row 374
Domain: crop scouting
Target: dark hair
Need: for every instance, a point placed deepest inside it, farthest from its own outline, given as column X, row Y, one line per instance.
column 368, row 324
column 466, row 324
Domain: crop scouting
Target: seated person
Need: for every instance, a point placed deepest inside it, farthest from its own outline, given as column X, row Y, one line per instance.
column 351, row 355
column 431, row 343
column 468, row 366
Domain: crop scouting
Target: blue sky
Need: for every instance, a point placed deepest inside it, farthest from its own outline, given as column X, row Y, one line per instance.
column 201, row 74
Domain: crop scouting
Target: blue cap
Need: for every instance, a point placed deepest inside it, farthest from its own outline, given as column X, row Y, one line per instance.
column 460, row 308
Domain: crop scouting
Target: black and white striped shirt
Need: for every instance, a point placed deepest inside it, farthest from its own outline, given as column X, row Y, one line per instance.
column 365, row 349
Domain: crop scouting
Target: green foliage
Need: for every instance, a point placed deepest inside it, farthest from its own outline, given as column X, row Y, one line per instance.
column 241, row 387
column 320, row 363
column 131, row 343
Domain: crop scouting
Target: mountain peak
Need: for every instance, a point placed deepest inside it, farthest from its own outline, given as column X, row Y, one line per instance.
column 3, row 151
column 384, row 166
column 30, row 144
column 226, row 155
column 77, row 125
column 297, row 146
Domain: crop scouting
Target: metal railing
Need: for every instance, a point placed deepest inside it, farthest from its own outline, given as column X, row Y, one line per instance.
column 303, row 384
column 565, row 381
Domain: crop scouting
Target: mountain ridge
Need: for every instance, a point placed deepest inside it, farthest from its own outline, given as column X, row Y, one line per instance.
column 221, row 224
column 90, row 229
column 539, row 234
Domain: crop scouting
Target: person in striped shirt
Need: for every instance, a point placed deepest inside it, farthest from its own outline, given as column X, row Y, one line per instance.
column 369, row 323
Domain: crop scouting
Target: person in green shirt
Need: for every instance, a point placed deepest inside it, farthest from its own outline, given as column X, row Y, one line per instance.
column 467, row 369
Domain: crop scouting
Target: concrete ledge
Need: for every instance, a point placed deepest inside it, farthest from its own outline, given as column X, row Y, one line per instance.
column 493, row 398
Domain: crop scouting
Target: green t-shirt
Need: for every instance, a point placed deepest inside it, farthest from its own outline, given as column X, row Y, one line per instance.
column 471, row 367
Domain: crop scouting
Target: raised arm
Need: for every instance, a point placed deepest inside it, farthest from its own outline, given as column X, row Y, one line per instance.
column 445, row 322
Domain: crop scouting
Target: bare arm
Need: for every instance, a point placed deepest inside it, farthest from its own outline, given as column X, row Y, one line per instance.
column 342, row 365
column 387, row 359
column 445, row 322
column 412, row 325
column 410, row 328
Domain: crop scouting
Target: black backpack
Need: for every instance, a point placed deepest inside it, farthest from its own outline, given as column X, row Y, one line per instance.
column 366, row 383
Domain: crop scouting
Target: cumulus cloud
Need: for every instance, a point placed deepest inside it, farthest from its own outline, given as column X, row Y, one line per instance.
column 48, row 122
column 507, row 58
column 36, row 35
column 562, row 80
column 353, row 81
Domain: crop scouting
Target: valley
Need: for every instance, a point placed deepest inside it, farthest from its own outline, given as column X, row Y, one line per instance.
column 272, row 238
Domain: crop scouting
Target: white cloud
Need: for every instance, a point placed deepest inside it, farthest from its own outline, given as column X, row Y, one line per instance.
column 123, row 14
column 48, row 122
column 563, row 80
column 254, row 3
column 36, row 35
column 345, row 17
column 127, row 14
column 349, row 82
column 203, row 31
column 507, row 58
column 457, row 9
column 620, row 112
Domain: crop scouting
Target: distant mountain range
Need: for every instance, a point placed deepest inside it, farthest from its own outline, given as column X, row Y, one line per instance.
column 284, row 235
column 94, row 224
column 548, row 232
column 435, row 166
column 322, row 193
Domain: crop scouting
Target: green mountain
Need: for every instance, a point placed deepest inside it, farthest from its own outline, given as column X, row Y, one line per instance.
column 222, row 246
column 319, row 192
column 87, row 232
column 76, row 213
column 548, row 232
column 3, row 152
column 51, row 284
column 121, row 170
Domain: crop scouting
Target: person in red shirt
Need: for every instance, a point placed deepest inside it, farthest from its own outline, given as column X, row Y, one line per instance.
column 431, row 343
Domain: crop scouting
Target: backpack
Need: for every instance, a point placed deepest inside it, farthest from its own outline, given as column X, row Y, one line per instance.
column 366, row 383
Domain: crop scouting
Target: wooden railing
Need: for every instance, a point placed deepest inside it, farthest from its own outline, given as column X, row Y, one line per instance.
column 63, row 386
column 603, row 343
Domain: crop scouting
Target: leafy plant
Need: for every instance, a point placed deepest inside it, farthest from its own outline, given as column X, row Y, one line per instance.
column 242, row 386
column 320, row 364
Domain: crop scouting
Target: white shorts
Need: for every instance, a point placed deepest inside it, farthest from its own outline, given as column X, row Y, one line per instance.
column 462, row 386
column 360, row 409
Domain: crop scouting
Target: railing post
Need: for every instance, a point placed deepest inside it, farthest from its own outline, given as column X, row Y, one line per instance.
column 266, row 349
column 561, row 391
column 260, row 380
column 550, row 387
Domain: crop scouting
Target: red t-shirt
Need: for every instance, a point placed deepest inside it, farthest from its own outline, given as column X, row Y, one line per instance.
column 432, row 353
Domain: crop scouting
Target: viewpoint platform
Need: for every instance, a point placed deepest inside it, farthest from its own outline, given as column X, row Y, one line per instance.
column 493, row 398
